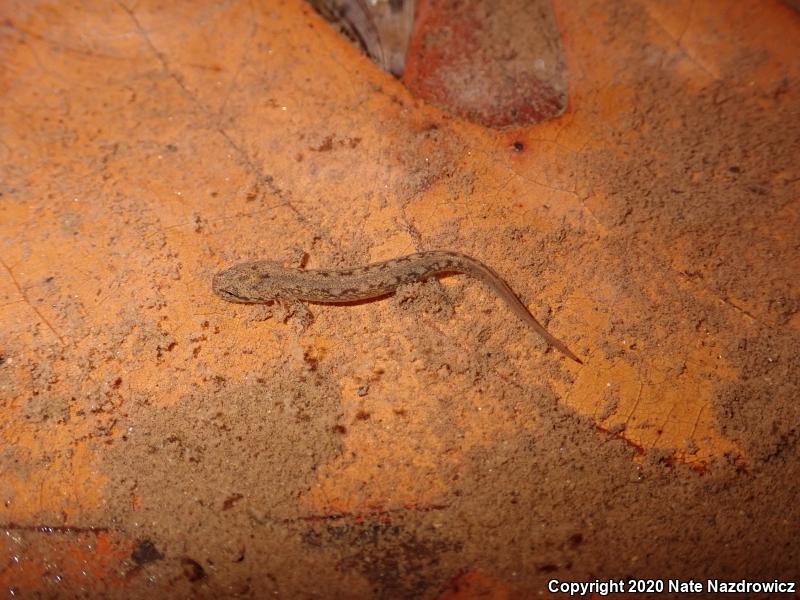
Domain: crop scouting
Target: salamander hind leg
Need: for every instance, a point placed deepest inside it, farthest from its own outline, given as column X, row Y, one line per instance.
column 424, row 297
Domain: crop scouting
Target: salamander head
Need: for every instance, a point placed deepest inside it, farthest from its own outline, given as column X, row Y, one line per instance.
column 248, row 283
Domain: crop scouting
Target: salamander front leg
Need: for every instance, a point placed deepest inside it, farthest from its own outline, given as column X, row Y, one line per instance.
column 294, row 310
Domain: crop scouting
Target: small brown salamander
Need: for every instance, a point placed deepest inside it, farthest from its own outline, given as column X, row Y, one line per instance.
column 264, row 281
